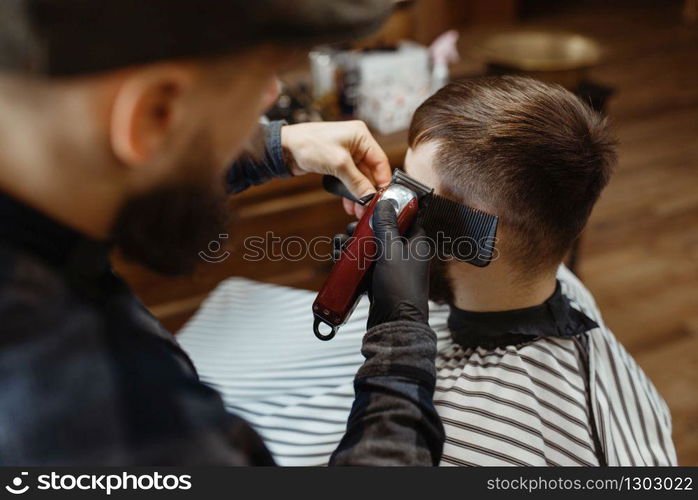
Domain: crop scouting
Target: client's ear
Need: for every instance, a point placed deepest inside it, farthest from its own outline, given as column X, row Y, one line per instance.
column 146, row 111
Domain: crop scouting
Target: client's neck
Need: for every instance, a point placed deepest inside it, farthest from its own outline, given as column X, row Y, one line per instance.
column 498, row 288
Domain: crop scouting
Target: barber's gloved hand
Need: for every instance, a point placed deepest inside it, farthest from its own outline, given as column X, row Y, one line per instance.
column 340, row 241
column 399, row 287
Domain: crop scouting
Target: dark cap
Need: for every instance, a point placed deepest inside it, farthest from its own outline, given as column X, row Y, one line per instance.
column 70, row 37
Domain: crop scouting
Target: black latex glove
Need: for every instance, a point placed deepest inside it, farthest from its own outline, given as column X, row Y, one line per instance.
column 339, row 241
column 399, row 285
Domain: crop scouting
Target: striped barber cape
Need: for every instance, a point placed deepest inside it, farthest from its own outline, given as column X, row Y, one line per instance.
column 551, row 400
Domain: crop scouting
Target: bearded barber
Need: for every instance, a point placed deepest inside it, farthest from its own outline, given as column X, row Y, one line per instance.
column 120, row 122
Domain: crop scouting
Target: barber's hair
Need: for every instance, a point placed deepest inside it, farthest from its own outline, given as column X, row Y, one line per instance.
column 532, row 153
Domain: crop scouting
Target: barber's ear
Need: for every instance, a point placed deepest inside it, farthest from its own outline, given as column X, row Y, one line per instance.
column 146, row 111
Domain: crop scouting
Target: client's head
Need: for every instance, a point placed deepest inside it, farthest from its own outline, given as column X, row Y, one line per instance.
column 529, row 152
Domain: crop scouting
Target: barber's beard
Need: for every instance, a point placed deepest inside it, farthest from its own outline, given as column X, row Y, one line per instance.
column 166, row 228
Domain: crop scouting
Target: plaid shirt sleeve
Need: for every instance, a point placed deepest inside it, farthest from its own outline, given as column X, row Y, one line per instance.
column 393, row 420
column 248, row 171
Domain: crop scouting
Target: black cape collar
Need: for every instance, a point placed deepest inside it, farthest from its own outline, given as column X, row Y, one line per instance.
column 553, row 318
column 30, row 231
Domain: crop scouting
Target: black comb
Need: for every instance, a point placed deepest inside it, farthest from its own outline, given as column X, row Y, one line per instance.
column 462, row 232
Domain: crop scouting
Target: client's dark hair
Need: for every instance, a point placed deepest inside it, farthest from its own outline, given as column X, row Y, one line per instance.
column 532, row 153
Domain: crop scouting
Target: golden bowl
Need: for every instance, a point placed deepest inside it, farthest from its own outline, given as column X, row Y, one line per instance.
column 550, row 56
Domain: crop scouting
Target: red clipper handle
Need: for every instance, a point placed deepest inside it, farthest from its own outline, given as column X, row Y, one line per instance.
column 344, row 286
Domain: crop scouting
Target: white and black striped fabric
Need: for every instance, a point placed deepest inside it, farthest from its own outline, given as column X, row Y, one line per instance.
column 542, row 403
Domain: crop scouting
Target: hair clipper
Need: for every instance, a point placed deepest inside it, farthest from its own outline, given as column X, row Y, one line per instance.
column 411, row 200
column 345, row 284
